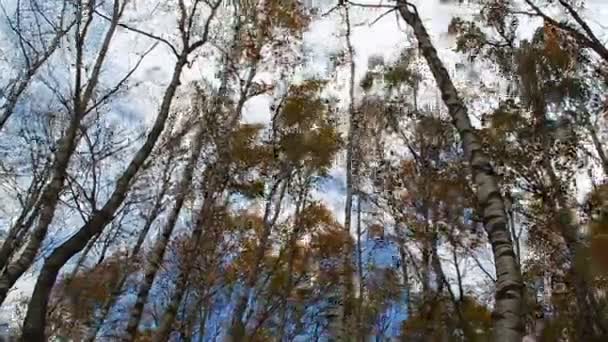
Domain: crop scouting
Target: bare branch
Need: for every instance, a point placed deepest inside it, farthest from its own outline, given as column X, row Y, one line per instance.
column 144, row 33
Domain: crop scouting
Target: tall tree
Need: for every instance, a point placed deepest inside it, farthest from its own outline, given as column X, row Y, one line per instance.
column 507, row 311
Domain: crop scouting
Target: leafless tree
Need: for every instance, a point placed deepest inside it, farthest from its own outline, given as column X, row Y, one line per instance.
column 78, row 108
column 35, row 319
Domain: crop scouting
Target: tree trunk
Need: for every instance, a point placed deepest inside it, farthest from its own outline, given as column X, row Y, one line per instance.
column 22, row 225
column 508, row 325
column 216, row 186
column 158, row 253
column 93, row 326
column 50, row 196
column 237, row 329
column 48, row 204
column 35, row 320
column 203, row 323
column 559, row 204
column 599, row 147
column 406, row 277
column 338, row 327
column 588, row 324
column 290, row 259
column 360, row 330
column 469, row 333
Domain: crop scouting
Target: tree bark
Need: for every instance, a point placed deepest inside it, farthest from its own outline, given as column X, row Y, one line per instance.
column 48, row 204
column 23, row 223
column 406, row 278
column 158, row 253
column 203, row 323
column 291, row 253
column 94, row 326
column 599, row 147
column 216, row 186
column 237, row 329
column 338, row 325
column 507, row 316
column 35, row 320
column 359, row 318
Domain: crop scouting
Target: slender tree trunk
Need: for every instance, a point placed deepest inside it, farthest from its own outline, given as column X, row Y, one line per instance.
column 587, row 322
column 514, row 234
column 456, row 301
column 360, row 330
column 48, row 203
column 508, row 324
column 599, row 148
column 158, row 252
column 237, row 330
column 27, row 217
column 339, row 328
column 94, row 326
column 216, row 186
column 217, row 183
column 203, row 324
column 458, row 273
column 290, row 259
column 184, row 328
column 35, row 320
column 406, row 281
column 13, row 97
column 428, row 294
column 14, row 239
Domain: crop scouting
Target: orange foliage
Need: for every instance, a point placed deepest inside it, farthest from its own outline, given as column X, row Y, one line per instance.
column 307, row 137
column 245, row 149
column 290, row 15
column 79, row 296
column 554, row 47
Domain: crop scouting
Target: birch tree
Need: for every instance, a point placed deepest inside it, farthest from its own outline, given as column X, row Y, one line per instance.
column 509, row 287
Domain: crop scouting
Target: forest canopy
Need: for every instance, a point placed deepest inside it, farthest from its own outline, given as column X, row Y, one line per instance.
column 272, row 170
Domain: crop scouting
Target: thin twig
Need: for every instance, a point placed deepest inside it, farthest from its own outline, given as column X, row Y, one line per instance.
column 382, row 16
column 122, row 81
column 144, row 33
